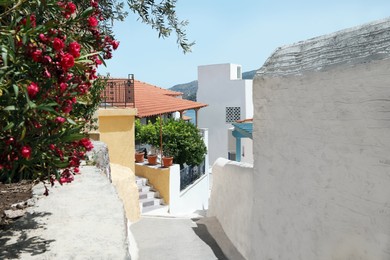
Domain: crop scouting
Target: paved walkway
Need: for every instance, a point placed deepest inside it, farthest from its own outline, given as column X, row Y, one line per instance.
column 173, row 238
column 86, row 220
column 81, row 220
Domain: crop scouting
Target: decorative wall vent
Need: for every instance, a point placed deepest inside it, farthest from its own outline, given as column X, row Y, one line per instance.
column 232, row 114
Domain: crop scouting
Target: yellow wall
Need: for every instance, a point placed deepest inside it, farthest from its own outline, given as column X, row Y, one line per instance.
column 123, row 179
column 116, row 128
column 157, row 177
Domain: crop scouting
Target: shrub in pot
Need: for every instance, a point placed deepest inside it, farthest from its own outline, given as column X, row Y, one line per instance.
column 183, row 141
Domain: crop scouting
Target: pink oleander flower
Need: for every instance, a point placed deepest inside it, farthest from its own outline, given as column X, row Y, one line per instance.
column 67, row 107
column 33, row 20
column 36, row 55
column 46, row 74
column 74, row 49
column 70, row 8
column 60, row 120
column 63, row 86
column 42, row 37
column 94, row 3
column 58, row 44
column 67, row 61
column 115, row 44
column 87, row 144
column 32, row 89
column 26, row 151
column 92, row 21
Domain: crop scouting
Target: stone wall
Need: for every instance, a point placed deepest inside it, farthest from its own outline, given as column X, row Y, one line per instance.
column 322, row 148
column 100, row 158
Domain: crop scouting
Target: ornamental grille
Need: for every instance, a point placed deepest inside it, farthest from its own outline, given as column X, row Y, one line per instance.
column 233, row 114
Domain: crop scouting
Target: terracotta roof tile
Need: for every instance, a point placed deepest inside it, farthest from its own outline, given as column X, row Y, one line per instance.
column 152, row 100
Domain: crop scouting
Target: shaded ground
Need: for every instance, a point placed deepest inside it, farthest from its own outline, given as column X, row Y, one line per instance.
column 11, row 194
column 79, row 220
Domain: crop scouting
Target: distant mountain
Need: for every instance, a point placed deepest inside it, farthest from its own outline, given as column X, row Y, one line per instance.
column 249, row 74
column 189, row 89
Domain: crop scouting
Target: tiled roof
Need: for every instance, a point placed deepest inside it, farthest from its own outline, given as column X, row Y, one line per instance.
column 152, row 100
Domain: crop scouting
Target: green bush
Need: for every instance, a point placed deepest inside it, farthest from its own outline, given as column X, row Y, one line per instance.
column 180, row 139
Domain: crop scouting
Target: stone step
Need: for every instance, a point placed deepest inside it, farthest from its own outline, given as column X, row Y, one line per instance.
column 148, row 194
column 144, row 188
column 150, row 202
column 141, row 181
column 155, row 210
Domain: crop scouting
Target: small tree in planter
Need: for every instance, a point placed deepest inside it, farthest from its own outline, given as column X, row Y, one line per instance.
column 139, row 140
column 183, row 141
column 149, row 134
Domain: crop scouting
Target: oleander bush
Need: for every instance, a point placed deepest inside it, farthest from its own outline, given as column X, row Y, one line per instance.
column 49, row 89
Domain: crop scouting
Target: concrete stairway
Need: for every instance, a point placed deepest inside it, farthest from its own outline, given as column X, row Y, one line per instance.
column 149, row 199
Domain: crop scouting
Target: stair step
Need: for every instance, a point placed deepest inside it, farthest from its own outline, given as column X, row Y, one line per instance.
column 158, row 209
column 148, row 194
column 144, row 188
column 150, row 202
column 148, row 197
column 141, row 181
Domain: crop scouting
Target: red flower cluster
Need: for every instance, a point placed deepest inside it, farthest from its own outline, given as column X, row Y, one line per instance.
column 69, row 9
column 66, row 61
column 87, row 144
column 58, row 44
column 74, row 49
column 32, row 90
column 92, row 21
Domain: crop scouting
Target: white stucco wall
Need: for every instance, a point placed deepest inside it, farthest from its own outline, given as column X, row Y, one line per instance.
column 231, row 201
column 322, row 164
column 195, row 197
column 247, row 150
column 219, row 87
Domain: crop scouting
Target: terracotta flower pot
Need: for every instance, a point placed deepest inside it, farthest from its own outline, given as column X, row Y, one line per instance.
column 152, row 159
column 139, row 157
column 167, row 161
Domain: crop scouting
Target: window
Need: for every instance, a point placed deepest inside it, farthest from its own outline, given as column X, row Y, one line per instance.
column 232, row 114
column 239, row 74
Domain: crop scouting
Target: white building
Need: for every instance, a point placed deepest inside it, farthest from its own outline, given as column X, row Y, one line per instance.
column 229, row 99
column 319, row 185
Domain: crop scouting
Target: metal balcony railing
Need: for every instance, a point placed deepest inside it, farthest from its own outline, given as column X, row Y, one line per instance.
column 119, row 93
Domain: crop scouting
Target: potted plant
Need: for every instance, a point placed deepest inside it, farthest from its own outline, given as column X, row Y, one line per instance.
column 183, row 141
column 139, row 156
column 149, row 134
column 139, row 140
column 169, row 150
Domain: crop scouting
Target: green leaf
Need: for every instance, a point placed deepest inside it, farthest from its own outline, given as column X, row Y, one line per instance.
column 6, row 2
column 72, row 137
column 8, row 108
column 31, row 104
column 46, row 108
column 71, row 121
column 16, row 89
column 61, row 164
column 4, row 56
column 23, row 134
column 9, row 126
column 87, row 12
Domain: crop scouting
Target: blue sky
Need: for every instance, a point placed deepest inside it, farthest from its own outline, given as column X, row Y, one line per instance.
column 243, row 32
